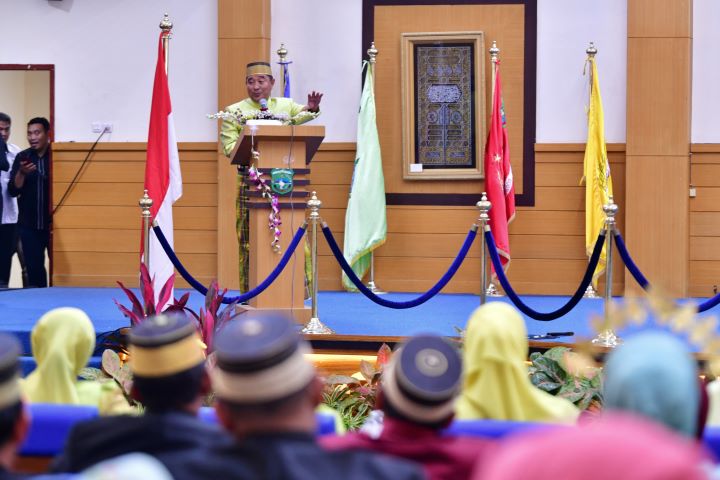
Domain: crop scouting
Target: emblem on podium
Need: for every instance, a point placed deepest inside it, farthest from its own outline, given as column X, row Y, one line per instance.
column 281, row 180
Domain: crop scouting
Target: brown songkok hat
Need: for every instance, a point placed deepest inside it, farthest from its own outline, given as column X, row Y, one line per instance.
column 260, row 359
column 423, row 378
column 164, row 345
column 258, row 68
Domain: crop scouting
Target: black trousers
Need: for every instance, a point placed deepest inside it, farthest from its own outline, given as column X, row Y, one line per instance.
column 34, row 244
column 8, row 243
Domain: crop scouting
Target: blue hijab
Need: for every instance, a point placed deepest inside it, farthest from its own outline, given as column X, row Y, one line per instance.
column 654, row 375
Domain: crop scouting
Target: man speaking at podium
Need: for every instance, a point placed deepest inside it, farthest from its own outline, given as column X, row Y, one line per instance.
column 259, row 82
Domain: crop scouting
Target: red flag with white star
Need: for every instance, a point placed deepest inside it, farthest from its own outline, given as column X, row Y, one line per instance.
column 498, row 175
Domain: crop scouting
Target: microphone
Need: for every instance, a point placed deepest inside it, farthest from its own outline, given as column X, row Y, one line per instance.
column 263, row 104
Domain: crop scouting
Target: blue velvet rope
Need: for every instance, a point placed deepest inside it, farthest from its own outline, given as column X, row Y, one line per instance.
column 643, row 282
column 629, row 263
column 245, row 296
column 389, row 303
column 545, row 317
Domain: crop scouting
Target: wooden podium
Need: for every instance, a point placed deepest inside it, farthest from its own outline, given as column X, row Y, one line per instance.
column 279, row 147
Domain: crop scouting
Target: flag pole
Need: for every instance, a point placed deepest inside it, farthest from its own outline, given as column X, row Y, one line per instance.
column 166, row 27
column 590, row 291
column 282, row 53
column 488, row 286
column 372, row 53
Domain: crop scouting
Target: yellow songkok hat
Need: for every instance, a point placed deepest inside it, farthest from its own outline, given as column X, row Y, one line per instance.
column 164, row 345
column 258, row 68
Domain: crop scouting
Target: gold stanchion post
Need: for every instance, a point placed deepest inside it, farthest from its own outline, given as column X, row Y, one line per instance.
column 484, row 206
column 314, row 325
column 145, row 205
column 608, row 338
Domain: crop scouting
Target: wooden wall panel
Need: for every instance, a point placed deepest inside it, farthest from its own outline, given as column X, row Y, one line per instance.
column 659, row 72
column 96, row 232
column 704, row 223
column 503, row 23
column 547, row 240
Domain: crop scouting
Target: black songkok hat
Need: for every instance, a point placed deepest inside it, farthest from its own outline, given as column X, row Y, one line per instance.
column 164, row 345
column 260, row 359
column 423, row 378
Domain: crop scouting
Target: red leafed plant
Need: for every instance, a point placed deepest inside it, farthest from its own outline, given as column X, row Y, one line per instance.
column 211, row 318
column 208, row 321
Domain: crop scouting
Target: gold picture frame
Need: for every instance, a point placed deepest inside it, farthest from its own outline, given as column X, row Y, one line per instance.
column 443, row 105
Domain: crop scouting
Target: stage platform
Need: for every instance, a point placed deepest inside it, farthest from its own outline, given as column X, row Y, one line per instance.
column 360, row 325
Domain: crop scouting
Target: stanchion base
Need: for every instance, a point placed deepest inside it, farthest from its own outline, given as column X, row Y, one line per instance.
column 607, row 339
column 374, row 288
column 316, row 327
column 590, row 292
column 492, row 291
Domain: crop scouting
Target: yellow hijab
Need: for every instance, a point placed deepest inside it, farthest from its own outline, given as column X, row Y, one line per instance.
column 62, row 342
column 496, row 384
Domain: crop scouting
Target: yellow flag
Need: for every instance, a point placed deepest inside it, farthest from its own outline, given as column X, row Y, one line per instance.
column 596, row 171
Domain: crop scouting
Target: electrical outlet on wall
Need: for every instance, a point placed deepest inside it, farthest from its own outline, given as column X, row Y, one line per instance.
column 99, row 127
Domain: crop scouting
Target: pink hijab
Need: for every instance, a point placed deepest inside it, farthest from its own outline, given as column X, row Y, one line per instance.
column 617, row 447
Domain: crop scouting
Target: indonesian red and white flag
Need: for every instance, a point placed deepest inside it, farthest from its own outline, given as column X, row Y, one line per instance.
column 163, row 180
column 498, row 175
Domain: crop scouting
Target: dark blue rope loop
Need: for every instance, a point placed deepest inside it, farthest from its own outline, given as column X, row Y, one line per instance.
column 389, row 303
column 545, row 317
column 245, row 296
column 629, row 263
column 643, row 282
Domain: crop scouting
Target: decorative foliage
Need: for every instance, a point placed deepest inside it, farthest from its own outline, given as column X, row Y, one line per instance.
column 210, row 319
column 242, row 116
column 354, row 398
column 569, row 375
column 114, row 369
column 274, row 220
column 147, row 307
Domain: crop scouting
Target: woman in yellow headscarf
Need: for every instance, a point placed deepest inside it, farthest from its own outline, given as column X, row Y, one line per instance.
column 62, row 342
column 496, row 384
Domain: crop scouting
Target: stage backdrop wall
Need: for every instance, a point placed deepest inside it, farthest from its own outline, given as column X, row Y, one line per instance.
column 104, row 55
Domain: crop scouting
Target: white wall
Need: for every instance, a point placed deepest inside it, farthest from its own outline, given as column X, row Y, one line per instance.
column 323, row 38
column 565, row 28
column 325, row 48
column 104, row 52
column 706, row 72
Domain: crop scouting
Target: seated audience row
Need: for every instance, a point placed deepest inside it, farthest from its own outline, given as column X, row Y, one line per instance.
column 266, row 393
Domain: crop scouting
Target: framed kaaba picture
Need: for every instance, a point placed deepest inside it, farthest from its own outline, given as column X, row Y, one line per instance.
column 443, row 93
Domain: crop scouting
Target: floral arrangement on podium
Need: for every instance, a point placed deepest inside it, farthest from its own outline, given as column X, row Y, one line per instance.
column 243, row 117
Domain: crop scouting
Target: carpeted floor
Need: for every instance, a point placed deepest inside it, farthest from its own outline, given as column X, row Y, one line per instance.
column 346, row 313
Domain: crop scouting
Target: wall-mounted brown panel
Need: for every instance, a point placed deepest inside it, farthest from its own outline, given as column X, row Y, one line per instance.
column 659, row 18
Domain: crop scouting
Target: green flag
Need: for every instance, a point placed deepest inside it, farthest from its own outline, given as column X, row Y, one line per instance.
column 365, row 222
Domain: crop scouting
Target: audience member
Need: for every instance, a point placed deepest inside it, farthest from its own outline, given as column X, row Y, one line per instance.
column 417, row 396
column 62, row 343
column 654, row 375
column 8, row 207
column 496, row 383
column 14, row 419
column 125, row 467
column 616, row 448
column 266, row 394
column 30, row 182
column 170, row 380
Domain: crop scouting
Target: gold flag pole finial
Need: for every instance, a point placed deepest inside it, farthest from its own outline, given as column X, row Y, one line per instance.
column 494, row 52
column 372, row 52
column 282, row 52
column 591, row 50
column 166, row 27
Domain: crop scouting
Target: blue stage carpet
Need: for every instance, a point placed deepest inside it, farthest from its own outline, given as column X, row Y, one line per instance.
column 346, row 313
